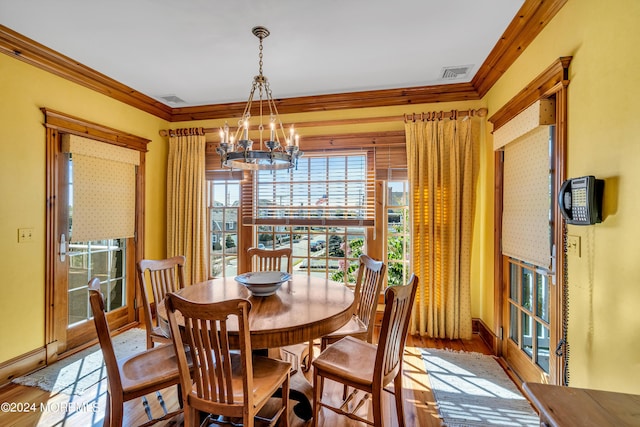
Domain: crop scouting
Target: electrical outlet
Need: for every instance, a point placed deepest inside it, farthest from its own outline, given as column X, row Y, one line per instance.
column 25, row 235
column 573, row 245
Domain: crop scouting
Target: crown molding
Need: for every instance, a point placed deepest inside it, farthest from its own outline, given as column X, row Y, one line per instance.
column 532, row 17
column 20, row 47
column 527, row 24
column 340, row 101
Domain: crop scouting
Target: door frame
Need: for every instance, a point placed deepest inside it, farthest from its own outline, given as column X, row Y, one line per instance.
column 56, row 124
column 553, row 81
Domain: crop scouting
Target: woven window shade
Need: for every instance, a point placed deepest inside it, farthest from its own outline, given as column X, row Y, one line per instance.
column 104, row 189
column 526, row 231
column 336, row 189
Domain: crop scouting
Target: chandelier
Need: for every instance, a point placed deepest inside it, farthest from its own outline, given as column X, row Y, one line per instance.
column 279, row 151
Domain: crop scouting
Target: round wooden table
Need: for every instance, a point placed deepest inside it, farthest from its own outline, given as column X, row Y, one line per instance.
column 304, row 308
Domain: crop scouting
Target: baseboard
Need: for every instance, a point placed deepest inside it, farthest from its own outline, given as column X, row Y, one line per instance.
column 486, row 334
column 36, row 359
column 22, row 365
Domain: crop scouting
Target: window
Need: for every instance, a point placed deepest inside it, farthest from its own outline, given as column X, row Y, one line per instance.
column 224, row 199
column 529, row 312
column 323, row 210
column 397, row 229
column 320, row 209
column 528, row 240
column 98, row 223
column 104, row 259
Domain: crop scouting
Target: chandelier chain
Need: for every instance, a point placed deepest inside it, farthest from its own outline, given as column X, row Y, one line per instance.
column 260, row 56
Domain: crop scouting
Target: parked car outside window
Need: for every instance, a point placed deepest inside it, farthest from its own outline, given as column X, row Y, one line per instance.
column 316, row 245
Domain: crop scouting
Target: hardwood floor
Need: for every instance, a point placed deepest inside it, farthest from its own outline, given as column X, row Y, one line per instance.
column 41, row 408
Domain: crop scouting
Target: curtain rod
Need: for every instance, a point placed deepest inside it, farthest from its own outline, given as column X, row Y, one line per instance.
column 439, row 115
column 183, row 132
column 481, row 112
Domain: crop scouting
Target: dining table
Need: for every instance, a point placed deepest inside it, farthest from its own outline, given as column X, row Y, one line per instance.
column 561, row 406
column 302, row 309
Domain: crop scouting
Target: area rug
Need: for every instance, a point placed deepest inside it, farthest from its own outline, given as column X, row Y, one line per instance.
column 77, row 373
column 472, row 390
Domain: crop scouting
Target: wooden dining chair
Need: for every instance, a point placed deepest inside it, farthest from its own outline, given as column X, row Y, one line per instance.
column 369, row 283
column 273, row 260
column 226, row 384
column 134, row 376
column 368, row 367
column 270, row 259
column 165, row 275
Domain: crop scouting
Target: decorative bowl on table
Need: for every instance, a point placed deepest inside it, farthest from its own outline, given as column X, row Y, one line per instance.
column 263, row 283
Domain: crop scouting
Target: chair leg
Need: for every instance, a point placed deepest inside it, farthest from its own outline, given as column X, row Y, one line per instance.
column 191, row 416
column 376, row 402
column 397, row 385
column 107, row 412
column 116, row 411
column 284, row 418
column 318, row 384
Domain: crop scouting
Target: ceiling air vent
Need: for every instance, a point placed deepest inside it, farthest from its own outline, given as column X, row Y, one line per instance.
column 172, row 99
column 455, row 73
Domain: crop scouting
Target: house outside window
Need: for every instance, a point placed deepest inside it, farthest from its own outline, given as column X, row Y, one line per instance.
column 224, row 200
column 397, row 230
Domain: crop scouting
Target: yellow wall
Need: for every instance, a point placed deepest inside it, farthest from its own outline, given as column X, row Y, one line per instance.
column 603, row 140
column 22, row 167
column 23, row 90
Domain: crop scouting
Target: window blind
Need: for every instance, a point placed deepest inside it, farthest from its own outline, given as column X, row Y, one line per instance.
column 103, row 189
column 324, row 190
column 526, row 230
column 391, row 163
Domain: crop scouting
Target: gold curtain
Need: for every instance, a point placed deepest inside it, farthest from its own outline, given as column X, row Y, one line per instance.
column 442, row 170
column 187, row 202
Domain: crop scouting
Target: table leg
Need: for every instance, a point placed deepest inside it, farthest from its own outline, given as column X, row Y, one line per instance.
column 301, row 391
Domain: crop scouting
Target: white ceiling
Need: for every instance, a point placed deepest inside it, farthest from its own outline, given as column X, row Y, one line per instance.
column 203, row 51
